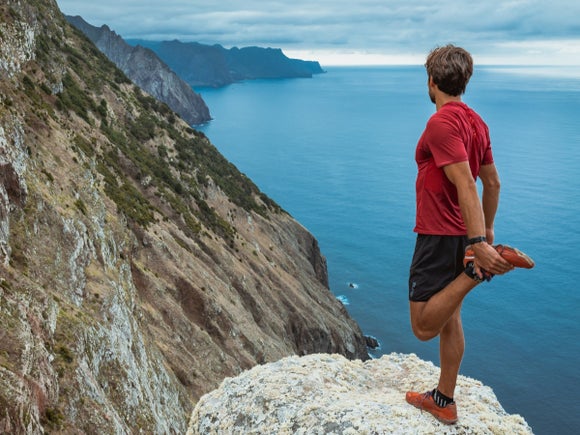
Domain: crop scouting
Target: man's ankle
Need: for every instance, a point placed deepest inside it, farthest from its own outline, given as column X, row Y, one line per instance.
column 441, row 399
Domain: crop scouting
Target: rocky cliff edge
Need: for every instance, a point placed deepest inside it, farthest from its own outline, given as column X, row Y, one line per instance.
column 328, row 394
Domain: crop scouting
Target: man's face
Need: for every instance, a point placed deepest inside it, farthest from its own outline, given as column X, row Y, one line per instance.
column 432, row 95
column 430, row 87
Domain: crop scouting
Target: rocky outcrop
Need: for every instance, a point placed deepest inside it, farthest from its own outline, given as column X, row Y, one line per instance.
column 327, row 394
column 144, row 68
column 214, row 66
column 138, row 267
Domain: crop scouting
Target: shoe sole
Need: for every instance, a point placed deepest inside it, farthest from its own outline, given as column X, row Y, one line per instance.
column 442, row 420
column 427, row 409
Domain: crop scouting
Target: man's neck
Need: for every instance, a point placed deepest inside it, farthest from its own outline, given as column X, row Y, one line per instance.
column 442, row 98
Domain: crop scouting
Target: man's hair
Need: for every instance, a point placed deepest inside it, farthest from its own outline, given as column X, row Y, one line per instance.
column 451, row 68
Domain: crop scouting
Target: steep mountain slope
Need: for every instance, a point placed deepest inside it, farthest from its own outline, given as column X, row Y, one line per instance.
column 145, row 69
column 138, row 268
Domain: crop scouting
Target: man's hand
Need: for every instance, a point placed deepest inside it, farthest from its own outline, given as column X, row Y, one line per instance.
column 487, row 258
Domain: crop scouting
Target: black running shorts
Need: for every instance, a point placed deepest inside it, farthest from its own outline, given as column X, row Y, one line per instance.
column 437, row 261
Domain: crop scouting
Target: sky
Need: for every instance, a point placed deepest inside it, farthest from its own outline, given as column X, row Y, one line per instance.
column 362, row 32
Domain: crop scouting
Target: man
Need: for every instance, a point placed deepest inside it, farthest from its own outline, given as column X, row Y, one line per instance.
column 452, row 152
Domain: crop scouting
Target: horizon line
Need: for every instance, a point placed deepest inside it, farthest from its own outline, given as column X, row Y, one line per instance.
column 376, row 59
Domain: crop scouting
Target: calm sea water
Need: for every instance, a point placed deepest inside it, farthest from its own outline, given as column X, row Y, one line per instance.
column 336, row 151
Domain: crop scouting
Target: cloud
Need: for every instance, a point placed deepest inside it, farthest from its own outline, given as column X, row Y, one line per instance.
column 375, row 27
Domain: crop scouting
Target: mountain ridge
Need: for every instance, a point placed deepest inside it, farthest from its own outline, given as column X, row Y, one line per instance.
column 148, row 71
column 203, row 65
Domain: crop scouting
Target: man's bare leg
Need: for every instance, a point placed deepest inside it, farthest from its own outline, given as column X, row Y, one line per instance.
column 429, row 318
column 451, row 348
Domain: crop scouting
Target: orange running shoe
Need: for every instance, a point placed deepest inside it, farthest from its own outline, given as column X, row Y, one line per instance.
column 514, row 256
column 424, row 401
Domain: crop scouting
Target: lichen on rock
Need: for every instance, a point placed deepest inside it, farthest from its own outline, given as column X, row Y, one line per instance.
column 328, row 394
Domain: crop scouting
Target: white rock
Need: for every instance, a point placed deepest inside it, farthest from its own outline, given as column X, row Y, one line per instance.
column 328, row 394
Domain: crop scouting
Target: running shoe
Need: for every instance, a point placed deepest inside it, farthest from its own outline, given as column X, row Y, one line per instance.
column 424, row 401
column 514, row 256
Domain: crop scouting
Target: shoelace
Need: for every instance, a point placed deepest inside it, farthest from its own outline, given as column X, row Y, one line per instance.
column 425, row 397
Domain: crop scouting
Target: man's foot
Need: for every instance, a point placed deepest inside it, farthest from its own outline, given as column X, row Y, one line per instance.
column 424, row 401
column 470, row 272
column 514, row 256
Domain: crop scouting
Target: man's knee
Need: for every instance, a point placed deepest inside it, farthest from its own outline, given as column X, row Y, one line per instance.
column 422, row 333
column 418, row 324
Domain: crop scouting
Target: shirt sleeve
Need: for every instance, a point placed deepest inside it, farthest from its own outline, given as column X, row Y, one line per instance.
column 488, row 155
column 444, row 142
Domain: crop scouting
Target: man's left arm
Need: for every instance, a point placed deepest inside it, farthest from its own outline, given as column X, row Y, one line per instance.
column 472, row 212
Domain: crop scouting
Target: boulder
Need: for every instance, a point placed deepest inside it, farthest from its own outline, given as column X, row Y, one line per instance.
column 328, row 394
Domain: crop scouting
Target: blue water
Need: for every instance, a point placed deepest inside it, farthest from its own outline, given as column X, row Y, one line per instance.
column 336, row 151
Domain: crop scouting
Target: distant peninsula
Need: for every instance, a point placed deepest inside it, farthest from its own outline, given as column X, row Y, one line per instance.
column 169, row 70
column 203, row 65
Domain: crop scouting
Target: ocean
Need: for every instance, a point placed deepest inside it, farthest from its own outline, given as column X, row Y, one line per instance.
column 337, row 152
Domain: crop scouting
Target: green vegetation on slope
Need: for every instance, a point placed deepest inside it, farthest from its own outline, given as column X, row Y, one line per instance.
column 148, row 160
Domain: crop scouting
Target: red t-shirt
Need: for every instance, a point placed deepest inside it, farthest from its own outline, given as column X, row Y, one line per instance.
column 454, row 134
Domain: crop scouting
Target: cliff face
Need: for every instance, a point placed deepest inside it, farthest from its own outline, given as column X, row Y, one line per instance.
column 327, row 394
column 215, row 66
column 145, row 69
column 138, row 268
